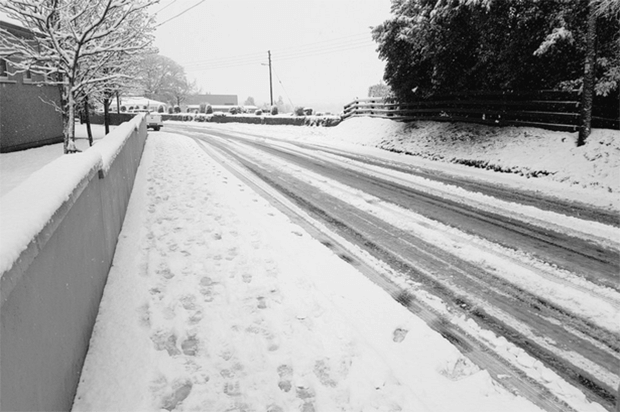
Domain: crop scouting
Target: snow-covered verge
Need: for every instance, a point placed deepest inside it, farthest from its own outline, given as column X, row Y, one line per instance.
column 216, row 301
column 528, row 152
column 524, row 158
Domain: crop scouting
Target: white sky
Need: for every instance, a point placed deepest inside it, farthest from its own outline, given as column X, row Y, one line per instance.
column 323, row 53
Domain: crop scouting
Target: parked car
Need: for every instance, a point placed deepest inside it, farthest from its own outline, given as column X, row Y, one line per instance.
column 153, row 119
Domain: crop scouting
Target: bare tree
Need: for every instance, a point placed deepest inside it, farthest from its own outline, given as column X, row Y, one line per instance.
column 75, row 44
column 164, row 79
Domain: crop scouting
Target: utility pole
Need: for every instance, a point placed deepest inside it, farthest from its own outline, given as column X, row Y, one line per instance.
column 270, row 84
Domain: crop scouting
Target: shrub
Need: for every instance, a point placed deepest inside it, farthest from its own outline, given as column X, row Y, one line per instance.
column 177, row 109
column 209, row 109
column 258, row 112
column 299, row 111
column 170, row 110
column 123, row 108
column 160, row 109
column 274, row 110
column 202, row 108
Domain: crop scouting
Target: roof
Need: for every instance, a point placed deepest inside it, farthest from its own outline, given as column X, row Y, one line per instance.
column 212, row 99
column 137, row 100
column 16, row 30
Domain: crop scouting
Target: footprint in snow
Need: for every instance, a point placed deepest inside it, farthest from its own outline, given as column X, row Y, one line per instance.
column 179, row 392
column 232, row 388
column 188, row 302
column 285, row 372
column 399, row 335
column 190, row 345
column 322, row 371
column 144, row 315
column 196, row 317
column 208, row 293
column 165, row 272
column 305, row 393
column 166, row 341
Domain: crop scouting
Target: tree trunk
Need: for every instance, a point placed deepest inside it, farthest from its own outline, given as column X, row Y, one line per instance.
column 106, row 113
column 68, row 117
column 587, row 94
column 87, row 120
column 118, row 103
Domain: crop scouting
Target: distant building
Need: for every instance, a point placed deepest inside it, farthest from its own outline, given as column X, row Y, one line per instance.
column 196, row 100
column 28, row 117
column 132, row 103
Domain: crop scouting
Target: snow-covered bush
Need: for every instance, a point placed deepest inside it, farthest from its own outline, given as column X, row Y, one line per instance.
column 274, row 110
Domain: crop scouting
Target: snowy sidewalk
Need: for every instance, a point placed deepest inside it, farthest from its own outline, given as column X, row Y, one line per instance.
column 217, row 302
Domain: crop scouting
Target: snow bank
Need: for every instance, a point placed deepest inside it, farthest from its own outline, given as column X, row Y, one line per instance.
column 525, row 151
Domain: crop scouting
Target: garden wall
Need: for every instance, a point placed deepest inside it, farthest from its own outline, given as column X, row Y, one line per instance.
column 59, row 249
column 115, row 118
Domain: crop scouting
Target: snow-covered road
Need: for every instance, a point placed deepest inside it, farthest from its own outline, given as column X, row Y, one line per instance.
column 549, row 312
column 217, row 301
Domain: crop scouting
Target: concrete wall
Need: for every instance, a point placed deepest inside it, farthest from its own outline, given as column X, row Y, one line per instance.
column 51, row 295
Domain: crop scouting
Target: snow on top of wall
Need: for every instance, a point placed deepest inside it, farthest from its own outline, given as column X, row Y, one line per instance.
column 28, row 208
column 114, row 141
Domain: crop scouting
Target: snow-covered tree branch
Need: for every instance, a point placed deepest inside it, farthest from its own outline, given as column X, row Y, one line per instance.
column 80, row 45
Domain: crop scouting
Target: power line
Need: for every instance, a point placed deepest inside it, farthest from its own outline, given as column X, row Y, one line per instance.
column 165, row 7
column 184, row 11
column 318, row 52
column 282, row 84
column 309, row 49
column 240, row 61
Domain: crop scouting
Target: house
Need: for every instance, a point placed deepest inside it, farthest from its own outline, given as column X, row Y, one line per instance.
column 196, row 100
column 28, row 115
column 131, row 103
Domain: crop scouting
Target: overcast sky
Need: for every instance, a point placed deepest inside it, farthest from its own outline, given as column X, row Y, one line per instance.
column 322, row 51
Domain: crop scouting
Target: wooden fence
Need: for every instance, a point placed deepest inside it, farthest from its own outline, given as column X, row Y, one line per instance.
column 554, row 110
